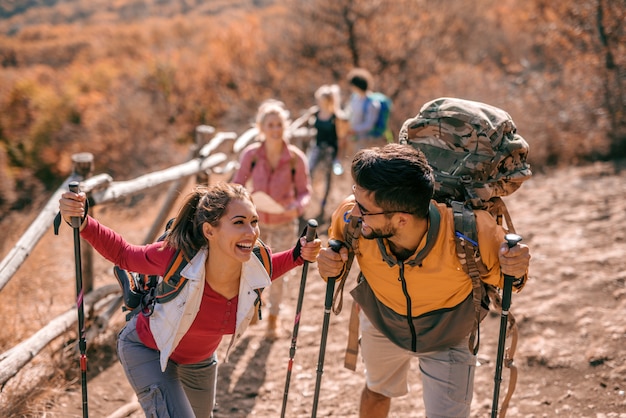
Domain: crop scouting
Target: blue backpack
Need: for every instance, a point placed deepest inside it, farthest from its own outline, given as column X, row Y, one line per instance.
column 381, row 128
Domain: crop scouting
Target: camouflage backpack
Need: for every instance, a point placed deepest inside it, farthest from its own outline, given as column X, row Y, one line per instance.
column 473, row 148
column 477, row 156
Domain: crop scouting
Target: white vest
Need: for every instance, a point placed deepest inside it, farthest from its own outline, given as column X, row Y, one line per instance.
column 170, row 321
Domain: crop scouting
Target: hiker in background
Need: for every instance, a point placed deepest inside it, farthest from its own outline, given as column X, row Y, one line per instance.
column 363, row 113
column 329, row 143
column 410, row 269
column 169, row 357
column 277, row 174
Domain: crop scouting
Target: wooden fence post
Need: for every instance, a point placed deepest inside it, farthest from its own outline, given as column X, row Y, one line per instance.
column 203, row 132
column 82, row 167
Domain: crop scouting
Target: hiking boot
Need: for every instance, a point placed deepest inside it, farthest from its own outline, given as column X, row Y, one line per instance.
column 132, row 299
column 272, row 327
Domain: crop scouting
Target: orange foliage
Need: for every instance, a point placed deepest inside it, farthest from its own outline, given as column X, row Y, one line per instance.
column 130, row 82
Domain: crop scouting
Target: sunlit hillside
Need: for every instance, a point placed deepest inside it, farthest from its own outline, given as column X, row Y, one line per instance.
column 129, row 80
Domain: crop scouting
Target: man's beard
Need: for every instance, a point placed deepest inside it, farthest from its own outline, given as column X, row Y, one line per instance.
column 386, row 232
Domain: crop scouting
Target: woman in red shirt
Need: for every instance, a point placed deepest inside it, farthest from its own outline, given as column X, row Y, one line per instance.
column 169, row 357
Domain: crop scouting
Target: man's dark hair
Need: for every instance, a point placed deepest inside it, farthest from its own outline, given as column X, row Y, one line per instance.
column 360, row 78
column 398, row 175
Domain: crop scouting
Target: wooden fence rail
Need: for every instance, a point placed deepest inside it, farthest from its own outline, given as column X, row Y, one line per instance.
column 102, row 189
column 18, row 254
column 14, row 359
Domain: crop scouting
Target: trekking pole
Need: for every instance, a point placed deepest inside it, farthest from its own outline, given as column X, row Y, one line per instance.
column 511, row 240
column 310, row 236
column 82, row 344
column 328, row 304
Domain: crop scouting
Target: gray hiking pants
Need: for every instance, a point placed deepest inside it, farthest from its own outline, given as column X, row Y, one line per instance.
column 183, row 390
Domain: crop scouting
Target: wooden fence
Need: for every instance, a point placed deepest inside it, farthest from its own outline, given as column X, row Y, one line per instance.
column 212, row 153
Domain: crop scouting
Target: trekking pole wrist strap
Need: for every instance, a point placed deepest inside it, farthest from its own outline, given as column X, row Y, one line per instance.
column 58, row 218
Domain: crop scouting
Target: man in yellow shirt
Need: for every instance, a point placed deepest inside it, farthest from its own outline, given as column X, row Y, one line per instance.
column 415, row 297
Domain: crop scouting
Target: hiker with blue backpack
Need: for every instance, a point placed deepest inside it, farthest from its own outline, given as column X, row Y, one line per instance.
column 368, row 111
column 415, row 300
column 213, row 268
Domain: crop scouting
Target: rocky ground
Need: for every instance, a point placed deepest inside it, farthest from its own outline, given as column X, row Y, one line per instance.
column 571, row 354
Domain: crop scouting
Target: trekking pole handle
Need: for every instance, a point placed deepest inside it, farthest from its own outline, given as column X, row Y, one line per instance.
column 311, row 227
column 74, row 187
column 511, row 240
column 335, row 245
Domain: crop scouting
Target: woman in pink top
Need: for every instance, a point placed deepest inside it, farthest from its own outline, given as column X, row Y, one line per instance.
column 169, row 357
column 279, row 169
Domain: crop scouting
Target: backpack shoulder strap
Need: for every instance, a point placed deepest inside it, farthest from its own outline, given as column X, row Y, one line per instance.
column 351, row 235
column 352, row 344
column 466, row 237
column 255, row 155
column 253, row 162
column 261, row 251
column 293, row 163
column 173, row 282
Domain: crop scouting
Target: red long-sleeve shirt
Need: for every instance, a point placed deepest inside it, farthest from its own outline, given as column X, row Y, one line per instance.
column 217, row 315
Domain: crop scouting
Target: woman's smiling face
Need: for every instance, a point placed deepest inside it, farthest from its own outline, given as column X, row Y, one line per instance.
column 237, row 231
column 273, row 127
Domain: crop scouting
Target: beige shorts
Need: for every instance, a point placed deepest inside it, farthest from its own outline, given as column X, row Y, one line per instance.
column 447, row 375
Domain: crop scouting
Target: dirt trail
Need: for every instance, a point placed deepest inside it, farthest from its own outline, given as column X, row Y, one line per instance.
column 572, row 349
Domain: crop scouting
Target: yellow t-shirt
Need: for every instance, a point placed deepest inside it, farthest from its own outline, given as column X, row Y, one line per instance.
column 440, row 281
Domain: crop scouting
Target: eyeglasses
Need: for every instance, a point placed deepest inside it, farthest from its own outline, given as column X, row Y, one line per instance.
column 365, row 212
